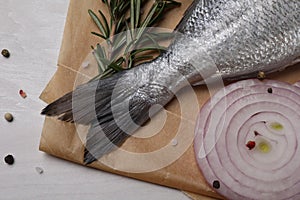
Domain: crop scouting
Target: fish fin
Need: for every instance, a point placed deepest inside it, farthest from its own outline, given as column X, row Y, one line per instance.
column 80, row 105
column 114, row 125
column 61, row 107
column 114, row 108
column 102, row 139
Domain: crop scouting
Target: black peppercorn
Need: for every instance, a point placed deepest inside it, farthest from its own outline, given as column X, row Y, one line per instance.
column 216, row 184
column 5, row 53
column 261, row 75
column 270, row 90
column 9, row 117
column 9, row 159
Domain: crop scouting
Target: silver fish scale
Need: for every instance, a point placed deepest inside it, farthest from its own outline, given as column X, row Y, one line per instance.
column 240, row 37
column 247, row 36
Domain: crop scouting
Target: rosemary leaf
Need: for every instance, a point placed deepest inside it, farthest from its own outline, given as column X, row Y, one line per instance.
column 157, row 16
column 129, row 36
column 115, row 67
column 120, row 25
column 164, row 7
column 129, row 46
column 147, row 20
column 160, row 48
column 99, row 35
column 132, row 14
column 101, row 67
column 119, row 61
column 101, row 51
column 137, row 13
column 105, row 24
column 131, row 62
column 172, row 4
column 98, row 23
column 142, row 58
column 124, row 49
column 119, row 41
column 107, row 73
column 123, row 7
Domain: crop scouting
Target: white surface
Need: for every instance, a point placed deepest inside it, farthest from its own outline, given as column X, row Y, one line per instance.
column 32, row 31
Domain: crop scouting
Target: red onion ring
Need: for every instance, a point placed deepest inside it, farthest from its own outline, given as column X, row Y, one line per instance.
column 266, row 114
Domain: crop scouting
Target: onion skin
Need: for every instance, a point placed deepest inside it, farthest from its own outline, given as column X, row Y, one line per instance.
column 264, row 112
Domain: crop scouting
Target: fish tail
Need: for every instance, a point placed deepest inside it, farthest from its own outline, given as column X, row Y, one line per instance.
column 61, row 107
column 115, row 107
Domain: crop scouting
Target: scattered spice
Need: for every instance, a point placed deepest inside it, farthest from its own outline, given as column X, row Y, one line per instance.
column 216, row 184
column 264, row 147
column 85, row 64
column 261, row 75
column 9, row 159
column 270, row 90
column 174, row 142
column 251, row 145
column 276, row 126
column 39, row 170
column 5, row 53
column 23, row 94
column 256, row 133
column 9, row 117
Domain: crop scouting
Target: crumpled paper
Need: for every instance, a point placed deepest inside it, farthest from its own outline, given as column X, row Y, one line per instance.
column 171, row 161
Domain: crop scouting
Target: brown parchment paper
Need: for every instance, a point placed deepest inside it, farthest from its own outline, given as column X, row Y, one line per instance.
column 63, row 140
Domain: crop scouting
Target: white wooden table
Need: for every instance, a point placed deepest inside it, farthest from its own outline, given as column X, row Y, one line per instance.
column 32, row 31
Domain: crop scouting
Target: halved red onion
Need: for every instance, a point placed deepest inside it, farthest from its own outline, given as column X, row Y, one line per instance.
column 297, row 84
column 247, row 140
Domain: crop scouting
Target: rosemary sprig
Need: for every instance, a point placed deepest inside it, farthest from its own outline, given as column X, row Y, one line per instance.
column 127, row 35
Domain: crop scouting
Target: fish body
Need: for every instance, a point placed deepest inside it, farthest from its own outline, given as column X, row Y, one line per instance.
column 232, row 39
